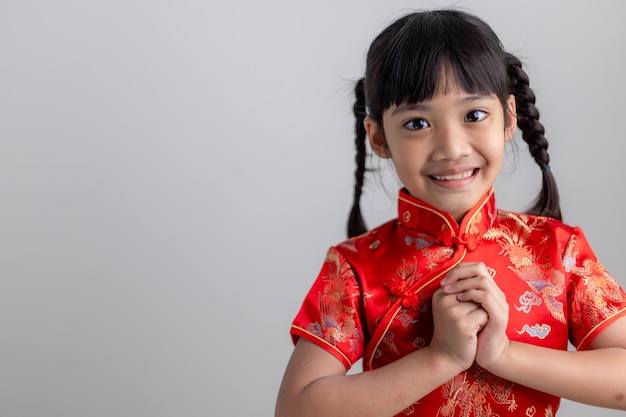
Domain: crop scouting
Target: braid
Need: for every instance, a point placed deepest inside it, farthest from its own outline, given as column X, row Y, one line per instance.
column 547, row 202
column 356, row 225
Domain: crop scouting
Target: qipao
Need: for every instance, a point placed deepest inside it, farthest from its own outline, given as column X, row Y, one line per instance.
column 372, row 297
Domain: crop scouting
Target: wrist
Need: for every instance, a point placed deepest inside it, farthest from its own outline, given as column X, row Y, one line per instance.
column 444, row 363
column 503, row 361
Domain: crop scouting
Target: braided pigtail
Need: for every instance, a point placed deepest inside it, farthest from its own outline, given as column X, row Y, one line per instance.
column 356, row 225
column 547, row 202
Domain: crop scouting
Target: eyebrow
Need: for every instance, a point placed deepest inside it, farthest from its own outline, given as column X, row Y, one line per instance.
column 425, row 107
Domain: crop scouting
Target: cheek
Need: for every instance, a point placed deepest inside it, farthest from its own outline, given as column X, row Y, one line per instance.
column 405, row 162
column 495, row 152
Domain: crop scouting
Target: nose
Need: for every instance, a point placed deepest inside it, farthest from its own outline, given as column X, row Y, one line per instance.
column 451, row 143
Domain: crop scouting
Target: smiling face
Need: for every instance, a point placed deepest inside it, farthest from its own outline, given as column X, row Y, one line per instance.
column 447, row 150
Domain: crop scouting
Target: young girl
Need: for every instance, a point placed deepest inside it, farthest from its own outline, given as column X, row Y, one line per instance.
column 456, row 308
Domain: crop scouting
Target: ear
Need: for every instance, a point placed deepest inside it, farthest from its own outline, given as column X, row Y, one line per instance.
column 510, row 118
column 376, row 138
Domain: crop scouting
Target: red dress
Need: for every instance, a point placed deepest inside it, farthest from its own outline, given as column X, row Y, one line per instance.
column 372, row 298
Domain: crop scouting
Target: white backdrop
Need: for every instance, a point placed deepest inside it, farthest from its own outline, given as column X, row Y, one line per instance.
column 172, row 173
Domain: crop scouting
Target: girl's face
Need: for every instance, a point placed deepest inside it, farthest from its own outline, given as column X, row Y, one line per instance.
column 448, row 150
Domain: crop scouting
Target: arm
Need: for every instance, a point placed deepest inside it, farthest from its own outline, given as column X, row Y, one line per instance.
column 596, row 376
column 315, row 382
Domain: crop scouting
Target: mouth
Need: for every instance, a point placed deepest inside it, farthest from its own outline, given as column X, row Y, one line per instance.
column 455, row 177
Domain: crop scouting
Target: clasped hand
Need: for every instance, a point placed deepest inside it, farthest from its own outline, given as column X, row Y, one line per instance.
column 470, row 315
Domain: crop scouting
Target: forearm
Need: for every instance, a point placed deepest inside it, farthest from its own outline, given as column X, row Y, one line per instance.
column 379, row 393
column 595, row 377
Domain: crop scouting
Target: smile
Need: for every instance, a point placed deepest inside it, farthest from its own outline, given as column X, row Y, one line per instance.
column 455, row 177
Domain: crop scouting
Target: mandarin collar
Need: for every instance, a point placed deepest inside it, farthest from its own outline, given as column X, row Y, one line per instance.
column 422, row 217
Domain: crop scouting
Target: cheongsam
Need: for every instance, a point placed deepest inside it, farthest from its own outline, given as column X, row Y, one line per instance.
column 372, row 297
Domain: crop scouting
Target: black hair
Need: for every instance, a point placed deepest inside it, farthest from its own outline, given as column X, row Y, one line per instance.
column 405, row 64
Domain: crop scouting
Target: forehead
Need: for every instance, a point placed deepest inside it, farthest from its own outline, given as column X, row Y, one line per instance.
column 448, row 100
column 448, row 77
column 448, row 82
column 447, row 85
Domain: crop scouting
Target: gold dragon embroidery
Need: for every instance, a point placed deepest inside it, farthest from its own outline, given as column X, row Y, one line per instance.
column 337, row 320
column 600, row 287
column 545, row 281
column 473, row 399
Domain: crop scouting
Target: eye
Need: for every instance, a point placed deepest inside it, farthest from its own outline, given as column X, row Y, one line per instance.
column 416, row 124
column 475, row 116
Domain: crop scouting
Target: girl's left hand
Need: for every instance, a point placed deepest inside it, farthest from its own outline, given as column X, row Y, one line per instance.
column 471, row 281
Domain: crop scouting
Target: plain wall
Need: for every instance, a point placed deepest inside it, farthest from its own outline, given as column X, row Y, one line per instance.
column 172, row 173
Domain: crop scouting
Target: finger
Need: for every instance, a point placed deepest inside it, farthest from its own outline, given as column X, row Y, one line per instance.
column 458, row 309
column 489, row 297
column 449, row 311
column 452, row 313
column 494, row 303
column 478, row 319
column 479, row 282
column 464, row 271
column 479, row 297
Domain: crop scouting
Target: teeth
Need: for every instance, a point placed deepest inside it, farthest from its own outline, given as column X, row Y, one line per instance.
column 454, row 177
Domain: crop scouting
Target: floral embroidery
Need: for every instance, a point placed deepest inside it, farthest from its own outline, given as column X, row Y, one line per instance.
column 473, row 227
column 400, row 284
column 569, row 262
column 316, row 329
column 545, row 281
column 472, row 399
column 337, row 322
column 536, row 267
column 601, row 291
column 434, row 256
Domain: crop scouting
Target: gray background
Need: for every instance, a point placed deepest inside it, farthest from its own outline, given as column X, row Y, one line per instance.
column 172, row 173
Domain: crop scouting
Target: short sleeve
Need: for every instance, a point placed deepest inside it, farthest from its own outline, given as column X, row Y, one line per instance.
column 595, row 297
column 330, row 313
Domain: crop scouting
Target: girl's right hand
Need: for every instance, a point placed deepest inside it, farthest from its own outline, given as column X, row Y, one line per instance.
column 456, row 327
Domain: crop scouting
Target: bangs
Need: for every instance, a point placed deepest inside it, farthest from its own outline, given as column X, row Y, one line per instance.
column 427, row 53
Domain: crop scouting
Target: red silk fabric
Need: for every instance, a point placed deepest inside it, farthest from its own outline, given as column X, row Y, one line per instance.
column 372, row 298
